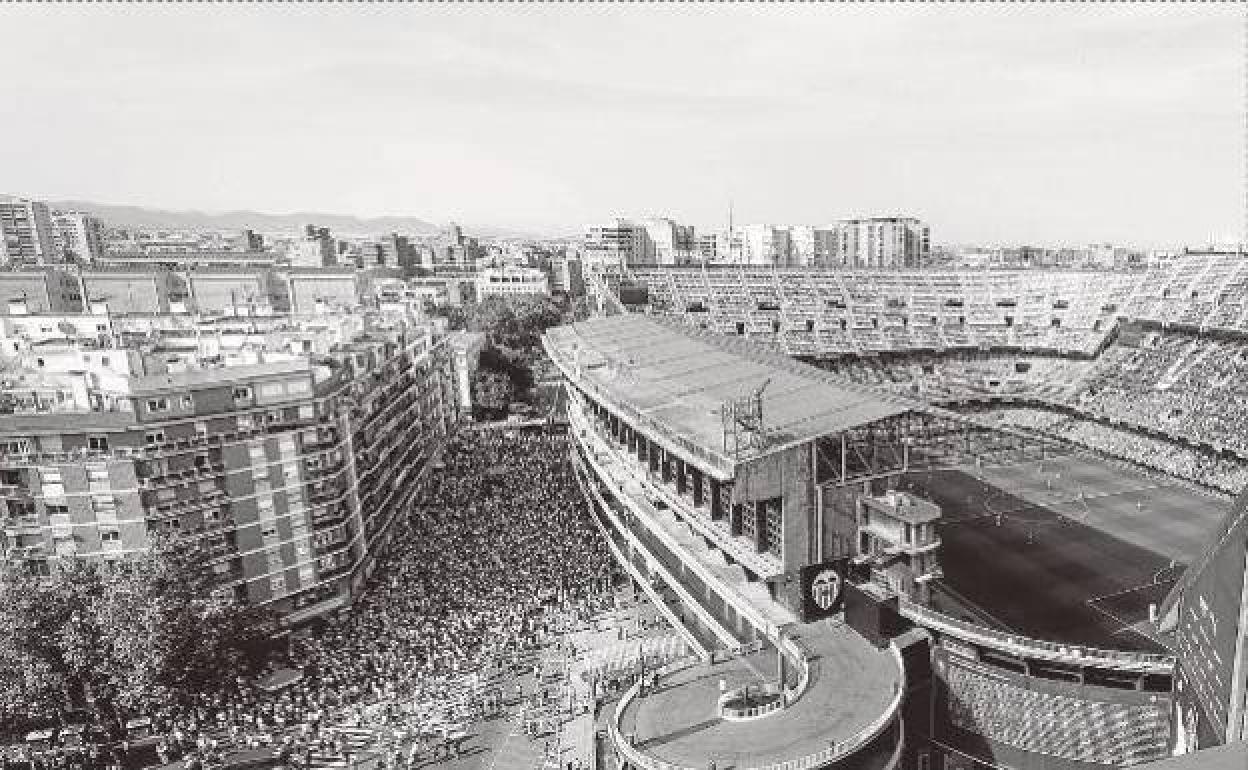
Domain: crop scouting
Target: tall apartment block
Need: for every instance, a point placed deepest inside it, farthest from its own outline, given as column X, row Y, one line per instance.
column 889, row 242
column 78, row 236
column 292, row 471
column 26, row 235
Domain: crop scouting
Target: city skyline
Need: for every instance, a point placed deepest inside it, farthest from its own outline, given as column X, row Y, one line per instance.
column 998, row 125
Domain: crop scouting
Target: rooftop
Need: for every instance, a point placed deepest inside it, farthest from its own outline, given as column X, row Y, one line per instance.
column 681, row 378
column 852, row 686
column 176, row 381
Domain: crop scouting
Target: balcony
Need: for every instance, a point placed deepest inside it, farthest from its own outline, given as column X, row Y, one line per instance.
column 330, row 516
column 205, row 501
column 36, row 551
column 15, row 526
column 196, row 473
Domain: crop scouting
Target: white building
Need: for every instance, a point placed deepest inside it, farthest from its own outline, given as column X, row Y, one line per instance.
column 26, row 234
column 803, row 247
column 765, row 245
column 670, row 243
column 888, row 242
column 78, row 235
column 652, row 241
column 511, row 282
column 614, row 243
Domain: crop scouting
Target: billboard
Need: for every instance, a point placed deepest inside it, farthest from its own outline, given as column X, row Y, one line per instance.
column 1211, row 639
column 823, row 589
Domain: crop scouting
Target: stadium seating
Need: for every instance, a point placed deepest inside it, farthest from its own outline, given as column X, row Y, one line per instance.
column 1066, row 339
column 1072, row 728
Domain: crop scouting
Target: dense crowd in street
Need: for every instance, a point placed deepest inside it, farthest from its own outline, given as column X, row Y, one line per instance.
column 498, row 545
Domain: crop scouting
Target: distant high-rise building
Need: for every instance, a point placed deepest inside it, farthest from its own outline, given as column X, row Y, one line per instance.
column 26, row 234
column 566, row 275
column 397, row 251
column 653, row 241
column 670, row 243
column 889, row 242
column 247, row 240
column 317, row 249
column 618, row 241
column 79, row 237
column 766, row 245
column 802, row 245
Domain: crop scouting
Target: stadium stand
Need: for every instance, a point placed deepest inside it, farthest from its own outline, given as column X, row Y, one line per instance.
column 1075, row 728
column 1147, row 366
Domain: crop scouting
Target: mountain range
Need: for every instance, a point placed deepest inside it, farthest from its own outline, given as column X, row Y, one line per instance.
column 340, row 224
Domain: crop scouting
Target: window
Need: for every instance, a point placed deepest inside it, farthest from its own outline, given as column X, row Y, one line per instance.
column 110, row 536
column 271, row 390
column 97, row 443
column 155, row 437
column 201, row 429
column 187, row 402
column 244, row 422
column 242, row 393
column 157, row 404
column 102, row 503
column 269, row 530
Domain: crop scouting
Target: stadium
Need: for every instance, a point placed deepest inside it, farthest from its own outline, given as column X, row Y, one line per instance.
column 921, row 518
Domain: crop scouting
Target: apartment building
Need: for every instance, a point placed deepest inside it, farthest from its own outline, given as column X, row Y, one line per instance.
column 614, row 243
column 236, row 291
column 315, row 249
column 78, row 236
column 511, row 281
column 291, row 471
column 131, row 290
column 669, row 243
column 26, row 234
column 766, row 245
column 888, row 242
column 40, row 290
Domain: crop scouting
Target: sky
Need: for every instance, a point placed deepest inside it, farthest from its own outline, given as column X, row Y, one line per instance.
column 1046, row 124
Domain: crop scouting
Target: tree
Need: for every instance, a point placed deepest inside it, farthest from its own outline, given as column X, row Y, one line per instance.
column 139, row 636
column 170, row 635
column 510, row 322
column 491, row 392
column 33, row 673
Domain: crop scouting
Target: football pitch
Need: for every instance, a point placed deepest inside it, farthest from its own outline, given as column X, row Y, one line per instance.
column 1071, row 549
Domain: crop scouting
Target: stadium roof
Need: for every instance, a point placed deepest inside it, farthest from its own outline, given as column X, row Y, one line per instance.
column 681, row 378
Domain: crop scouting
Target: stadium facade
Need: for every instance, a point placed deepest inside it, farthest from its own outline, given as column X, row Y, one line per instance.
column 735, row 485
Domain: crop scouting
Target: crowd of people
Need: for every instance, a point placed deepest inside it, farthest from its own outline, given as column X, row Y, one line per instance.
column 1180, row 399
column 1219, row 472
column 498, row 547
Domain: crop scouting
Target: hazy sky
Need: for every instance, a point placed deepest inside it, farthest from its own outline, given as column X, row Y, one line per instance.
column 1015, row 123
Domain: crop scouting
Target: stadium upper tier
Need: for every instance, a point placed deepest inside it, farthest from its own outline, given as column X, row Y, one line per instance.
column 817, row 312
